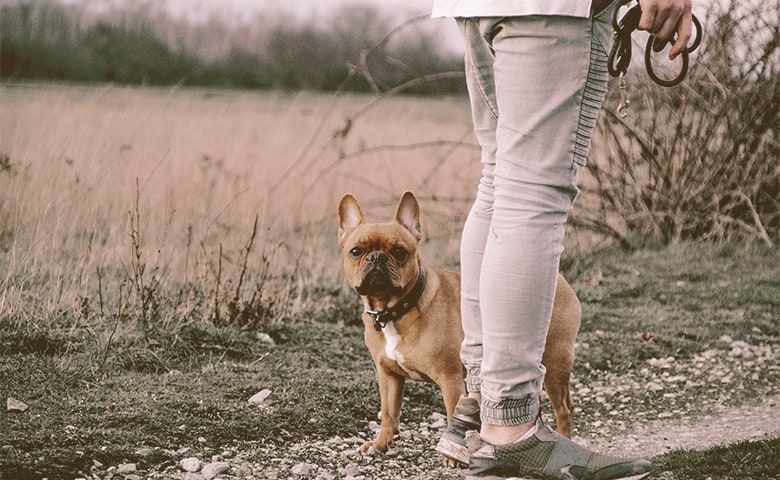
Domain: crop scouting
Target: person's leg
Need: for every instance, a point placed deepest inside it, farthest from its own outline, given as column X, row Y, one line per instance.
column 550, row 80
column 512, row 237
column 547, row 99
column 479, row 79
column 479, row 35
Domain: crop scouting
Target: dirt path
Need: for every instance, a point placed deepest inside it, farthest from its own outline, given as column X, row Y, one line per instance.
column 412, row 456
column 724, row 426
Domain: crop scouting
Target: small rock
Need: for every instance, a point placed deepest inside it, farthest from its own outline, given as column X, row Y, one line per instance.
column 14, row 405
column 97, row 464
column 304, row 469
column 126, row 468
column 211, row 470
column 202, row 440
column 263, row 398
column 193, row 476
column 654, row 387
column 265, row 338
column 144, row 452
column 190, row 464
column 351, row 470
column 438, row 420
column 662, row 362
column 711, row 353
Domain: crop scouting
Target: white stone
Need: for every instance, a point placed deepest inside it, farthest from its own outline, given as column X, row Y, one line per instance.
column 211, row 470
column 304, row 469
column 126, row 468
column 654, row 387
column 14, row 405
column 190, row 464
column 262, row 398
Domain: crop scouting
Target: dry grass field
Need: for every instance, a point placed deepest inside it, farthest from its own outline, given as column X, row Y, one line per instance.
column 162, row 180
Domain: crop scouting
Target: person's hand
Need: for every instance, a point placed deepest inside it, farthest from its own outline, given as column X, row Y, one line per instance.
column 663, row 18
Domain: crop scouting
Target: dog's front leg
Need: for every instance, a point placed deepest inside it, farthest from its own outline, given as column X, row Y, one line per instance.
column 391, row 392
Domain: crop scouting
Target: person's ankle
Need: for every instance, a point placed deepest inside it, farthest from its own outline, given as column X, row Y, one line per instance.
column 505, row 434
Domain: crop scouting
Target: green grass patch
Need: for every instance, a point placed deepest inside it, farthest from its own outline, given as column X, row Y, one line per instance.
column 187, row 385
column 755, row 460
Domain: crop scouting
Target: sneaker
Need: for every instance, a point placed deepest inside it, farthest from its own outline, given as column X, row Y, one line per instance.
column 546, row 455
column 452, row 443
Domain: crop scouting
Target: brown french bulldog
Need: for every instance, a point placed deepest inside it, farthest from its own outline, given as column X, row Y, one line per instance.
column 412, row 316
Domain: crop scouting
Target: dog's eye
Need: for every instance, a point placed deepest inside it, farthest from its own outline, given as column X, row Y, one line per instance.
column 399, row 253
column 356, row 252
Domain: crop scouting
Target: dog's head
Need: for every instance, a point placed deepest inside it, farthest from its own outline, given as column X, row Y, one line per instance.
column 380, row 259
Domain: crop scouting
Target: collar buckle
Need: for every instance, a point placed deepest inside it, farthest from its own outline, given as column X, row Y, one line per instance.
column 401, row 309
column 375, row 315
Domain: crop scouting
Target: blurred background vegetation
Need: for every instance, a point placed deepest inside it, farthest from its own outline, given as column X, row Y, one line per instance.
column 698, row 162
column 139, row 43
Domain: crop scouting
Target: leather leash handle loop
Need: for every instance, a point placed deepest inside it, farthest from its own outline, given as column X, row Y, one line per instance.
column 620, row 55
column 654, row 44
column 649, row 48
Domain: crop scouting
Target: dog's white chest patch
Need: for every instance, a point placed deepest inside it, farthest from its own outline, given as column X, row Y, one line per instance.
column 392, row 338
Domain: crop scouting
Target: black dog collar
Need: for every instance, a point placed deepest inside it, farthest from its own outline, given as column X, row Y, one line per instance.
column 380, row 318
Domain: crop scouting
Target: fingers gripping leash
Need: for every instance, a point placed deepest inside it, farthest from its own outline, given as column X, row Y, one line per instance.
column 620, row 55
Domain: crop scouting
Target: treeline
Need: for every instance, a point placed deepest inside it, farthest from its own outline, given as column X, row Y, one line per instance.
column 145, row 45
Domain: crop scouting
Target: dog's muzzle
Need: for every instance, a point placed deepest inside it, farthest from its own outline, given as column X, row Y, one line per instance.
column 377, row 277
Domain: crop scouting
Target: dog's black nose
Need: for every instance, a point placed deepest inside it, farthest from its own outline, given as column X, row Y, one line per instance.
column 378, row 258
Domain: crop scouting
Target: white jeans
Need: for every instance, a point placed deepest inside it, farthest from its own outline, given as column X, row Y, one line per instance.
column 536, row 85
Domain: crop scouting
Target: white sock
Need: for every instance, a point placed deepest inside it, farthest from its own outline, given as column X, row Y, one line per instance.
column 527, row 434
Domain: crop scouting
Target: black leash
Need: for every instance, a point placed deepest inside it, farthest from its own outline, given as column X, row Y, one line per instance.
column 620, row 55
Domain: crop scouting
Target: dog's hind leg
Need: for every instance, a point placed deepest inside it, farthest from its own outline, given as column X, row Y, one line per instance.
column 559, row 393
column 451, row 390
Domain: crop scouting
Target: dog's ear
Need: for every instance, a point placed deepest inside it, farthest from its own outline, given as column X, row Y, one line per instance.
column 408, row 214
column 350, row 216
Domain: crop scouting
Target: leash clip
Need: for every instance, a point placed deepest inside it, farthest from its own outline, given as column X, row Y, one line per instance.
column 622, row 109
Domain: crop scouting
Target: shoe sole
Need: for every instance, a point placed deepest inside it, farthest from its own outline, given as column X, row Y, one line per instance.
column 493, row 477
column 453, row 450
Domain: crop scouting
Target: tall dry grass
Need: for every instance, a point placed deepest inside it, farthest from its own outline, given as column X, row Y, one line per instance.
column 142, row 209
column 701, row 160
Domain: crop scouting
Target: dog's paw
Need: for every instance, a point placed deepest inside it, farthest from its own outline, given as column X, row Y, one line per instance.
column 366, row 447
column 450, row 463
column 380, row 444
